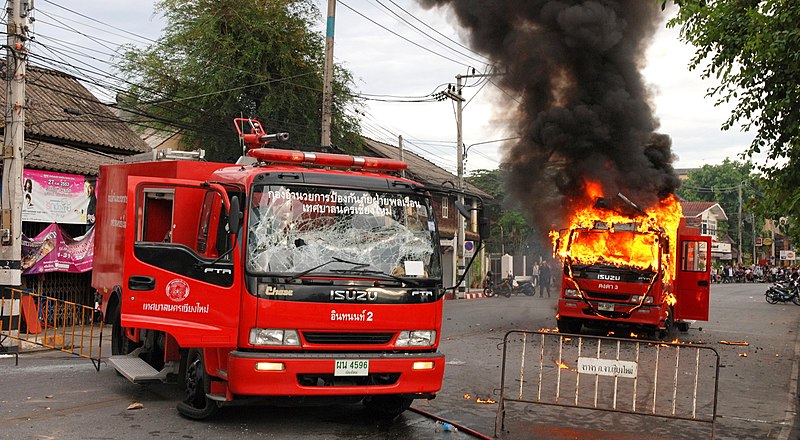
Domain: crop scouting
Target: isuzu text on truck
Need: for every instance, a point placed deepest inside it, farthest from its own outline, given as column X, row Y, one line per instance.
column 285, row 279
column 622, row 266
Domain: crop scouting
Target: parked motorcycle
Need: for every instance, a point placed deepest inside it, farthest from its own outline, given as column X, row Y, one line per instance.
column 488, row 287
column 783, row 293
column 509, row 287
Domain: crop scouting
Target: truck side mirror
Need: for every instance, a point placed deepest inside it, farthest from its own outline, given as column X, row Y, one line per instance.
column 463, row 210
column 484, row 227
column 235, row 216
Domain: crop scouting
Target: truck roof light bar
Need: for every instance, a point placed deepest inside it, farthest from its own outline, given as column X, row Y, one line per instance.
column 326, row 159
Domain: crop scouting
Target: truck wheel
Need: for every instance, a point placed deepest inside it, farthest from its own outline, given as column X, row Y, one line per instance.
column 120, row 344
column 567, row 325
column 683, row 326
column 387, row 406
column 197, row 384
column 663, row 333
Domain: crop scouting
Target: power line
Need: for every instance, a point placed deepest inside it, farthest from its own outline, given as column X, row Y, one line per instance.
column 100, row 22
column 400, row 36
column 420, row 31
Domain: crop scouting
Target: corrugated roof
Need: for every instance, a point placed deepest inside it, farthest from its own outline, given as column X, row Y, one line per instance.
column 42, row 155
column 421, row 169
column 61, row 110
column 695, row 209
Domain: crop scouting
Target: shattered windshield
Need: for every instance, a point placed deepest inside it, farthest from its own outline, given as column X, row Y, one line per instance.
column 292, row 229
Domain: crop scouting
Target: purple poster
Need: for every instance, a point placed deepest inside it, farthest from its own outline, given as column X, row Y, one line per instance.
column 55, row 251
column 52, row 197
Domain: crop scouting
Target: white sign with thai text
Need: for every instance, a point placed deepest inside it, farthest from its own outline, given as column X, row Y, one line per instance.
column 607, row 367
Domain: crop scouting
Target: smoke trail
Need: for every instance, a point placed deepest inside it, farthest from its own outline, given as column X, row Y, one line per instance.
column 585, row 110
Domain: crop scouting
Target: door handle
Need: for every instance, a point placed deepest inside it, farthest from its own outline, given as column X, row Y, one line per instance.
column 702, row 283
column 141, row 282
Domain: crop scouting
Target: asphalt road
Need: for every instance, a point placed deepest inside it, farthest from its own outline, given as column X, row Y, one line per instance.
column 54, row 395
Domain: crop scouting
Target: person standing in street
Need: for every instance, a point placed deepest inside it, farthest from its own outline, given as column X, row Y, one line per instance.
column 544, row 279
column 535, row 274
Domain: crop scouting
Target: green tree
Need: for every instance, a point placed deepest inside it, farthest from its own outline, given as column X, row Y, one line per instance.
column 509, row 232
column 721, row 184
column 221, row 59
column 752, row 48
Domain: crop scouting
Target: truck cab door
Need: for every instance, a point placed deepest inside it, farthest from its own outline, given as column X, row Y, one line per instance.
column 692, row 277
column 181, row 272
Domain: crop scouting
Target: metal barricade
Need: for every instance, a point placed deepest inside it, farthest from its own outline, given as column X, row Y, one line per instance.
column 649, row 378
column 30, row 318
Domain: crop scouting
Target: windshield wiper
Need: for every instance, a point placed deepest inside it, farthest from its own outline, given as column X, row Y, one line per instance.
column 355, row 270
column 332, row 260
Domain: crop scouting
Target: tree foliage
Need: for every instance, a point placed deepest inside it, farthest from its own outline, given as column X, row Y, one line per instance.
column 752, row 49
column 221, row 59
column 510, row 232
column 721, row 184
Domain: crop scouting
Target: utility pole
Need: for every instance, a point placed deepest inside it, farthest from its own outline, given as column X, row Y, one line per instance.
column 402, row 153
column 14, row 142
column 327, row 79
column 740, row 223
column 456, row 96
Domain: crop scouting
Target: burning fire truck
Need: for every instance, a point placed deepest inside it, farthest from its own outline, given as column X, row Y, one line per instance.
column 625, row 266
column 296, row 277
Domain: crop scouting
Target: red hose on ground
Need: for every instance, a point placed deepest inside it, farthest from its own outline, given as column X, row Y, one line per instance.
column 461, row 428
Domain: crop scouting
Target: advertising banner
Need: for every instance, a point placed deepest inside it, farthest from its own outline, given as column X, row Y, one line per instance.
column 787, row 255
column 55, row 251
column 51, row 197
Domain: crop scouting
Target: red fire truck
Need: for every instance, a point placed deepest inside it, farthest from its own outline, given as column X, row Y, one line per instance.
column 296, row 277
column 672, row 291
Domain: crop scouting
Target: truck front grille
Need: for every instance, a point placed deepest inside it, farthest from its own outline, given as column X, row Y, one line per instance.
column 347, row 338
column 329, row 380
column 608, row 296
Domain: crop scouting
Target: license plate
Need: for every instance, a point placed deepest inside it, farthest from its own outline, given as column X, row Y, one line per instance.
column 606, row 307
column 349, row 367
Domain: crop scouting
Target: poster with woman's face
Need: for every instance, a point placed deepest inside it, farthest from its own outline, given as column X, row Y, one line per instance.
column 52, row 197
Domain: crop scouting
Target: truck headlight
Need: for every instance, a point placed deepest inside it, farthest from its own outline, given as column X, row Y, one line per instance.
column 572, row 293
column 416, row 338
column 638, row 298
column 273, row 336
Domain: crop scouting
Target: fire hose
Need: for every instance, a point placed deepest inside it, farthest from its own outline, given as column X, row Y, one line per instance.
column 462, row 428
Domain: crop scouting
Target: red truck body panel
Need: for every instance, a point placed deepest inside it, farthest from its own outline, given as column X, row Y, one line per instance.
column 112, row 197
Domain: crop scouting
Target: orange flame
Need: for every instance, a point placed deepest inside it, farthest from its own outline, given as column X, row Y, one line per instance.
column 602, row 236
column 488, row 400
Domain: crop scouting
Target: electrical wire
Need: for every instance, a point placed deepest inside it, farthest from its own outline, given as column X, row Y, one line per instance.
column 402, row 37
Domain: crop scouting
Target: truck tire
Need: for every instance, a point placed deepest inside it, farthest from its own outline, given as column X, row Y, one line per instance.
column 568, row 325
column 683, row 326
column 120, row 344
column 197, row 405
column 387, row 407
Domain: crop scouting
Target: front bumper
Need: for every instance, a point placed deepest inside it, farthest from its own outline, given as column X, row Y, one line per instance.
column 648, row 315
column 312, row 374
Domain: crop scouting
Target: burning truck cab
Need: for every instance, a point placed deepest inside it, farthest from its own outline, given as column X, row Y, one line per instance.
column 647, row 272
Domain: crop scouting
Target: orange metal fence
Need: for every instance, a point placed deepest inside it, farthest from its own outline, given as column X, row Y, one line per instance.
column 31, row 318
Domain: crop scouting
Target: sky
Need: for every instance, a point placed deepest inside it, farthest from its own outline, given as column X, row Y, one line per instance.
column 375, row 40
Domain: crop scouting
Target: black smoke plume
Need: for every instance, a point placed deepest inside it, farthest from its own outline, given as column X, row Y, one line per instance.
column 585, row 111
